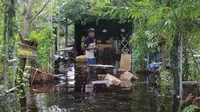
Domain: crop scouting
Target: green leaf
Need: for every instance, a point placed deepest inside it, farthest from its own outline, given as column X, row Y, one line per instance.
column 190, row 108
column 114, row 14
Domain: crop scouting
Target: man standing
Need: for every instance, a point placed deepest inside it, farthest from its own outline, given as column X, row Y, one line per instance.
column 90, row 47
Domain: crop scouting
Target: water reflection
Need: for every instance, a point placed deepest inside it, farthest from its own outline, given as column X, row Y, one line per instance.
column 143, row 101
column 52, row 100
column 138, row 100
column 61, row 97
column 147, row 101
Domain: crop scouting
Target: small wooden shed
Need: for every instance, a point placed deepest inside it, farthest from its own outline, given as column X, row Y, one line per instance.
column 109, row 33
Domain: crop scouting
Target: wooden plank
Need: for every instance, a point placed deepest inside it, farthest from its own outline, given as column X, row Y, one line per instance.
column 8, row 91
column 190, row 82
column 101, row 66
column 27, row 52
column 106, row 82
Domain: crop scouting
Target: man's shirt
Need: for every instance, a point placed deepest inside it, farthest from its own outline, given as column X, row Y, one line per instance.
column 89, row 43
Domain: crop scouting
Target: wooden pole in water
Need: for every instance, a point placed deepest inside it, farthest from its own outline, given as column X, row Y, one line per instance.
column 14, row 65
column 181, row 64
column 181, row 57
column 6, row 51
column 66, row 32
column 58, row 33
column 52, row 49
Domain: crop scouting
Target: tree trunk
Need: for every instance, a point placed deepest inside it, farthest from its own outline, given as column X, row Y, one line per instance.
column 58, row 32
column 66, row 33
column 27, row 19
column 175, row 71
column 163, row 46
column 9, row 17
column 186, row 62
column 6, row 41
column 26, row 27
column 52, row 53
column 22, row 63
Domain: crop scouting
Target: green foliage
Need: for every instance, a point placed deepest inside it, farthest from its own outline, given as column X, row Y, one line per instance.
column 44, row 44
column 33, row 36
column 140, row 48
column 190, row 108
column 71, row 33
column 76, row 11
column 166, row 82
column 158, row 18
column 1, row 39
column 7, row 37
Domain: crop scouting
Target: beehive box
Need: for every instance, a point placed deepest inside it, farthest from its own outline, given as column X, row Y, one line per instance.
column 38, row 76
column 81, row 59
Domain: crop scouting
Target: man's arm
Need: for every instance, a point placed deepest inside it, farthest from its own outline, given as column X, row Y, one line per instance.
column 87, row 46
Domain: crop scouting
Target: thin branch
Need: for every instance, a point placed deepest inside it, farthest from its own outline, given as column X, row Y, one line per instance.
column 193, row 57
column 40, row 10
column 20, row 35
column 175, row 15
column 8, row 91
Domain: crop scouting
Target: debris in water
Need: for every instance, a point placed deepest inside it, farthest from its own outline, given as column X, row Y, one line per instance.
column 113, row 79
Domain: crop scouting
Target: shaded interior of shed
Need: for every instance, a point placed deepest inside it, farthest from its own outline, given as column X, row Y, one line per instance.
column 106, row 31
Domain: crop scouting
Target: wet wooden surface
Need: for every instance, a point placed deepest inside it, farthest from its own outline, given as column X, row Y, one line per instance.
column 27, row 51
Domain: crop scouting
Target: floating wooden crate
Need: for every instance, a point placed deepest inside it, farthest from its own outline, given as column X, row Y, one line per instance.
column 38, row 76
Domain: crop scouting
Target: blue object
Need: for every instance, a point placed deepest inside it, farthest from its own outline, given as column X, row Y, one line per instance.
column 153, row 60
column 155, row 65
column 91, row 61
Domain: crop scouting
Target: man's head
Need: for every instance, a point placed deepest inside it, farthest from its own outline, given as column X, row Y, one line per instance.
column 91, row 32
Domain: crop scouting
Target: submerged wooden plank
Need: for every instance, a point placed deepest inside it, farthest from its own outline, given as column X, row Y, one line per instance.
column 106, row 82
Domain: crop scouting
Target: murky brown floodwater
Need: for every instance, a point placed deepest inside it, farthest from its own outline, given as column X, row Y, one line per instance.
column 61, row 97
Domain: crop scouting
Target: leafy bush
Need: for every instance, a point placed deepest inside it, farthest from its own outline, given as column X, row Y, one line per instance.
column 45, row 37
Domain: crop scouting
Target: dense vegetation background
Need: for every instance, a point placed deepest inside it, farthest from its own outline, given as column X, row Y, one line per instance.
column 159, row 25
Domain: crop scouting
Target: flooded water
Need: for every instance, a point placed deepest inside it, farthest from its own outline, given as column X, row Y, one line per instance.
column 77, row 102
column 124, row 101
column 61, row 97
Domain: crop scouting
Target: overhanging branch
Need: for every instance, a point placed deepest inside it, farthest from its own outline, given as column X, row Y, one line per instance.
column 20, row 36
column 40, row 10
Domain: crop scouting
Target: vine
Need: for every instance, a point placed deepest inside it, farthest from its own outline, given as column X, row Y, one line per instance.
column 8, row 38
column 44, row 46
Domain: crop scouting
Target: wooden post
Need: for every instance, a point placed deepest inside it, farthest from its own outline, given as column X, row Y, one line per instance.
column 52, row 53
column 58, row 33
column 6, row 52
column 181, row 62
column 174, row 71
column 66, row 33
column 22, row 63
column 163, row 47
column 14, row 65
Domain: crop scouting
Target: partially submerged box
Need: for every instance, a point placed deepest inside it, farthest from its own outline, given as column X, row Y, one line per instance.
column 128, row 76
column 39, row 76
column 113, row 79
column 127, row 79
column 142, row 74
